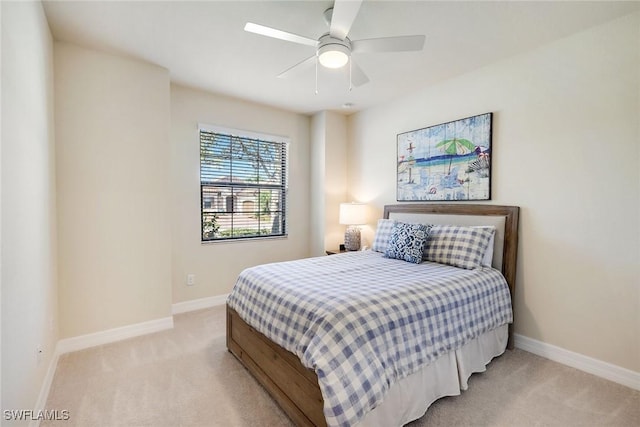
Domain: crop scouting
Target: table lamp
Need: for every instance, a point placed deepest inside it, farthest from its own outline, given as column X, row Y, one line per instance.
column 352, row 215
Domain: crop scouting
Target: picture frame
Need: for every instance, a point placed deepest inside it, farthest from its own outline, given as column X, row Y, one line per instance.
column 446, row 162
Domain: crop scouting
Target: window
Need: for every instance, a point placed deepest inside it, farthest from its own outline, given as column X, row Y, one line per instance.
column 243, row 184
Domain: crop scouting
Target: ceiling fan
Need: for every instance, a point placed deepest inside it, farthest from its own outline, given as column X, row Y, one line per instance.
column 334, row 49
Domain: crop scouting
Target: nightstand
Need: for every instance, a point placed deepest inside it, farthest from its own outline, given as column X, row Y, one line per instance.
column 335, row 251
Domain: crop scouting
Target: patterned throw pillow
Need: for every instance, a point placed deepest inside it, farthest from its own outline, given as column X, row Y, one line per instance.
column 458, row 246
column 407, row 242
column 383, row 234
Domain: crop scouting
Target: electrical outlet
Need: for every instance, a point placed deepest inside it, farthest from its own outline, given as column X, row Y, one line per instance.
column 191, row 279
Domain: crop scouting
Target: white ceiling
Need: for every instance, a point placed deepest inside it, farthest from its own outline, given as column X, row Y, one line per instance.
column 203, row 44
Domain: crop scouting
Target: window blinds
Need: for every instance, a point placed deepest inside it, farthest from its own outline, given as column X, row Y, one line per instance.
column 243, row 185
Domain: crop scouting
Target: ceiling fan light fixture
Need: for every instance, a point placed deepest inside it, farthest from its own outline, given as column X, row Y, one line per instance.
column 334, row 48
column 333, row 55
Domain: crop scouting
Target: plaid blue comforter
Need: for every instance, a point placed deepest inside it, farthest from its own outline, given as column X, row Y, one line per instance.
column 362, row 322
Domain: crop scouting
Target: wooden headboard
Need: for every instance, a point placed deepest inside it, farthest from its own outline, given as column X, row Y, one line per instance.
column 504, row 218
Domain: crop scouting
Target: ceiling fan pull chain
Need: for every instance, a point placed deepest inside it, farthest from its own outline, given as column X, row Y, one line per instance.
column 316, row 74
column 350, row 79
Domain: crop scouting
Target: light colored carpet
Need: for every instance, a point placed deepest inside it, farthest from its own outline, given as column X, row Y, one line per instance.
column 186, row 377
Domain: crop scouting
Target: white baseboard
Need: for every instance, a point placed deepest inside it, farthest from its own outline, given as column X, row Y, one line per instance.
column 112, row 335
column 46, row 386
column 198, row 304
column 584, row 363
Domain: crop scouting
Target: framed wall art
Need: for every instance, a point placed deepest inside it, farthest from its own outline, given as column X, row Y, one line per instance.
column 446, row 162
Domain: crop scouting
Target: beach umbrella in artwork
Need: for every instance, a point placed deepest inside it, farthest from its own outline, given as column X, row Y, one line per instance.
column 455, row 147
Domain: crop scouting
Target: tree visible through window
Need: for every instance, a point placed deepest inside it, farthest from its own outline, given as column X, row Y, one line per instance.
column 243, row 185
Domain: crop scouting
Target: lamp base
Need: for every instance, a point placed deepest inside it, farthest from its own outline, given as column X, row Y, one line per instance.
column 352, row 238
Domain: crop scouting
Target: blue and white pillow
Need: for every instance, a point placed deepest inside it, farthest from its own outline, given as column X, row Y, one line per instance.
column 383, row 234
column 458, row 246
column 407, row 242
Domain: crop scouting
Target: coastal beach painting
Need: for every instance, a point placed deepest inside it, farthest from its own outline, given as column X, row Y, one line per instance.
column 450, row 161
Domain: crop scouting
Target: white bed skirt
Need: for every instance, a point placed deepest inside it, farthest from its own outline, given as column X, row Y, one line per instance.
column 408, row 399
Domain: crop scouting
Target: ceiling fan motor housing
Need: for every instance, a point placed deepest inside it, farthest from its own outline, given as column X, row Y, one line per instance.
column 333, row 52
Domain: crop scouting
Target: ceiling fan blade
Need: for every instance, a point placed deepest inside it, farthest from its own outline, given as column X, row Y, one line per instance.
column 300, row 66
column 358, row 77
column 388, row 44
column 343, row 15
column 278, row 34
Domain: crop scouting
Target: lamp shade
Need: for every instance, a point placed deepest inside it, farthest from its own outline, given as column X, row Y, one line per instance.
column 353, row 213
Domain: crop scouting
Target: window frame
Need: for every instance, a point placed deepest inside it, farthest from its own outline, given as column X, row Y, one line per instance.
column 251, row 136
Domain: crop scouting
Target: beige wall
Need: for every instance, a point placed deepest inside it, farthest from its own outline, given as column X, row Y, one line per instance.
column 335, row 182
column 29, row 294
column 329, row 179
column 217, row 265
column 566, row 150
column 112, row 137
column 317, row 170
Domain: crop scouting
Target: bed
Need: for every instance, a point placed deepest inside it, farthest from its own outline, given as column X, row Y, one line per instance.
column 340, row 389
